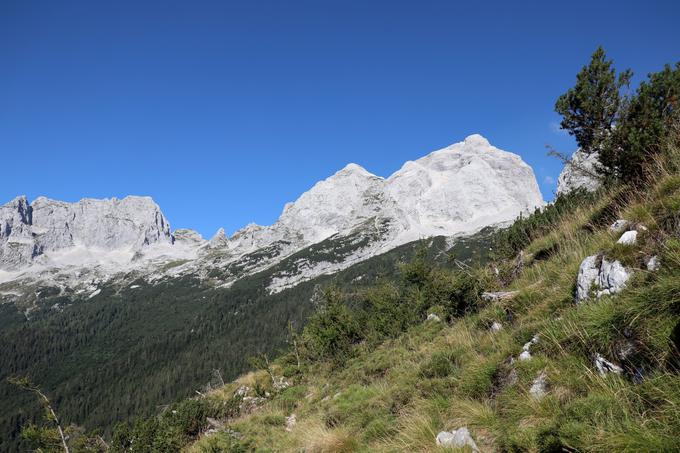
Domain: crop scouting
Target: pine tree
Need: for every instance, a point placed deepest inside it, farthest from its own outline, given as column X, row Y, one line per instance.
column 649, row 117
column 592, row 107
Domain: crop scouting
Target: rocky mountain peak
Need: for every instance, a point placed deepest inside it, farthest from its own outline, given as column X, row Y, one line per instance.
column 476, row 140
column 355, row 169
column 47, row 226
column 456, row 190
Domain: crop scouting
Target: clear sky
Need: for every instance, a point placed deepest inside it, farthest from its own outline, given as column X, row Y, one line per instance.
column 223, row 111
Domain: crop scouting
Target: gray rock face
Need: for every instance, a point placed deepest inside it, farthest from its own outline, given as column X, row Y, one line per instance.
column 27, row 231
column 459, row 438
column 579, row 173
column 219, row 240
column 17, row 246
column 189, row 237
column 609, row 277
column 455, row 191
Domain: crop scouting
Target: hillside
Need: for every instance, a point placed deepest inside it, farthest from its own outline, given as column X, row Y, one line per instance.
column 546, row 350
column 157, row 343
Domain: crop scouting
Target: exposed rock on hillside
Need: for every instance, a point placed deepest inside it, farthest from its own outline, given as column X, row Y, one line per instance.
column 579, row 173
column 459, row 438
column 605, row 277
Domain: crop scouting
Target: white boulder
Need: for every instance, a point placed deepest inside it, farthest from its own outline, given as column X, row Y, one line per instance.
column 459, row 438
column 609, row 277
column 539, row 387
column 628, row 238
column 588, row 273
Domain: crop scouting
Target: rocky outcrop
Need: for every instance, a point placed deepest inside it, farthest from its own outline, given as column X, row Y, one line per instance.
column 188, row 237
column 601, row 276
column 17, row 244
column 579, row 173
column 219, row 240
column 45, row 225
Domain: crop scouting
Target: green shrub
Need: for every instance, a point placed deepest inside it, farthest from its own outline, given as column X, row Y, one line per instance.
column 648, row 120
column 332, row 330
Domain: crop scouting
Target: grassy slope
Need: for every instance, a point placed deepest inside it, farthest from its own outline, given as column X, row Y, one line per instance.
column 434, row 377
column 125, row 353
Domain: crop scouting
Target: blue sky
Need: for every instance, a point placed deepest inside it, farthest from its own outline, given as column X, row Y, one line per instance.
column 223, row 111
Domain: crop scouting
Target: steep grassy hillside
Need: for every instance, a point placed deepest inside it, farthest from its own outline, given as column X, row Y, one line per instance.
column 519, row 371
column 127, row 352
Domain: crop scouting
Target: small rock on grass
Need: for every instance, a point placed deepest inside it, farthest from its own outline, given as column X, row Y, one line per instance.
column 539, row 388
column 605, row 367
column 458, row 438
column 628, row 238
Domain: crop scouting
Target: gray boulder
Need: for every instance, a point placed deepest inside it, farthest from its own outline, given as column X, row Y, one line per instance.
column 653, row 263
column 291, row 421
column 30, row 230
column 628, row 238
column 605, row 277
column 459, row 438
column 613, row 277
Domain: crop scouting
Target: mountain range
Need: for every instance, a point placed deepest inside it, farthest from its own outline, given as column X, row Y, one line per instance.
column 76, row 248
